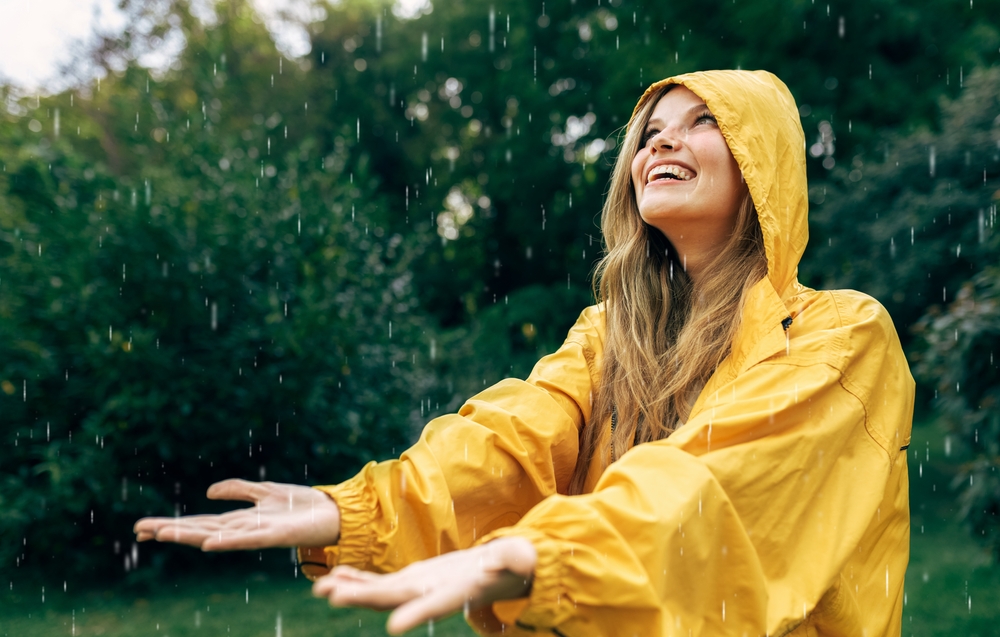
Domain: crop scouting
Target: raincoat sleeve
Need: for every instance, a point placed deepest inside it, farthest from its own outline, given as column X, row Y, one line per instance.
column 505, row 450
column 744, row 518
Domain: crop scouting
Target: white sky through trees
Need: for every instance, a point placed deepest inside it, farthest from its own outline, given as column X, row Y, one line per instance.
column 37, row 36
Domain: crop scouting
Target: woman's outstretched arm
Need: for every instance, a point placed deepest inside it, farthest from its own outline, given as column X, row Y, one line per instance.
column 483, row 468
column 472, row 472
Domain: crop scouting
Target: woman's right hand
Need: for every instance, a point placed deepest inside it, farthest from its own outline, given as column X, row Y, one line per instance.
column 283, row 515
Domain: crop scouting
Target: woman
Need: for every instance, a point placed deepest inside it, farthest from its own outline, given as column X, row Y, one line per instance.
column 715, row 449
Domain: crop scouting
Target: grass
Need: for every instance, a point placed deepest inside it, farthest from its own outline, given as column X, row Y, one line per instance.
column 947, row 569
column 952, row 586
column 255, row 606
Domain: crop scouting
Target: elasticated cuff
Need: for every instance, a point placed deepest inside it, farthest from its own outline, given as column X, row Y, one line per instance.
column 547, row 606
column 357, row 506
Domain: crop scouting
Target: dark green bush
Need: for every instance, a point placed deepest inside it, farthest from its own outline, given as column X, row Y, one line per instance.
column 226, row 301
column 912, row 218
column 960, row 359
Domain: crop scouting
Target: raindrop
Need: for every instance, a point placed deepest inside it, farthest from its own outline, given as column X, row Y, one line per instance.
column 493, row 26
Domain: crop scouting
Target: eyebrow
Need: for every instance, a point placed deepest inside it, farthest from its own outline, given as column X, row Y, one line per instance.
column 696, row 107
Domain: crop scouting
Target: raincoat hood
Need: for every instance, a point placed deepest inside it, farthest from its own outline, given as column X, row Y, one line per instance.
column 759, row 120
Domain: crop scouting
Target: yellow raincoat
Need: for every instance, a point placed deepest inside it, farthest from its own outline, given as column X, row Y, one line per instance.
column 781, row 506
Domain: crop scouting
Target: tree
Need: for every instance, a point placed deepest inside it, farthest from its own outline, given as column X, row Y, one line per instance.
column 915, row 226
column 226, row 301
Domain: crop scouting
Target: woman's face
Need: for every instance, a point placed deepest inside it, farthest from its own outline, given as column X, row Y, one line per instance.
column 687, row 184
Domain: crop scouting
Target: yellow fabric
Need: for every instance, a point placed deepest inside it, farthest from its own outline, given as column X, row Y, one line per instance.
column 781, row 506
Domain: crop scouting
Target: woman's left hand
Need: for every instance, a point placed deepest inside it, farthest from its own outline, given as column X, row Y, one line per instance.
column 434, row 588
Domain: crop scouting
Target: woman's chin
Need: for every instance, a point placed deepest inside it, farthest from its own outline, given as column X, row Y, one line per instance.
column 662, row 214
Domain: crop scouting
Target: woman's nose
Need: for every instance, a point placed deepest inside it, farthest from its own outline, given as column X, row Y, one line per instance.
column 666, row 139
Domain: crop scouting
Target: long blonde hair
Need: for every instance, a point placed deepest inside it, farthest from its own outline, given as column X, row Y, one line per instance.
column 664, row 337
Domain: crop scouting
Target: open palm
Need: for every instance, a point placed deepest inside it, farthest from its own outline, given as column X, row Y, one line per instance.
column 283, row 515
column 469, row 579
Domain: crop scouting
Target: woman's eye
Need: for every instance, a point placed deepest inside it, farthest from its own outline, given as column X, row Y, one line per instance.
column 648, row 135
column 705, row 116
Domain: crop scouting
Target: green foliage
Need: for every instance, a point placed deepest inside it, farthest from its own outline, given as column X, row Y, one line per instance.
column 228, row 302
column 911, row 221
column 443, row 173
column 960, row 358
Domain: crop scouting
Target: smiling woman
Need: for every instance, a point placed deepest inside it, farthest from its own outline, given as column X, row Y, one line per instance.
column 715, row 449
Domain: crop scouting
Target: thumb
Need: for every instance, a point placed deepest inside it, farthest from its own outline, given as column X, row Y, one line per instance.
column 236, row 489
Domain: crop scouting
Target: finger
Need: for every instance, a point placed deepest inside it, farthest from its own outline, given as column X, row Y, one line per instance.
column 346, row 579
column 419, row 611
column 152, row 524
column 229, row 539
column 207, row 521
column 179, row 534
column 236, row 489
column 385, row 592
column 184, row 530
column 146, row 525
column 341, row 574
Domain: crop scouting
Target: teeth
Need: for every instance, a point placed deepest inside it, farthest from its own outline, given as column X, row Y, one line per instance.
column 668, row 169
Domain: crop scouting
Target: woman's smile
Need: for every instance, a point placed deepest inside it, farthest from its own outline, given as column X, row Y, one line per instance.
column 668, row 172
